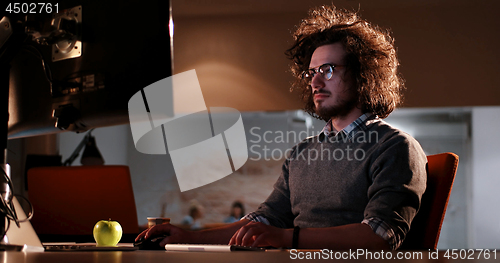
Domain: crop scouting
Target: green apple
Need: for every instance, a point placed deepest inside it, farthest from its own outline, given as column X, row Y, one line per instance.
column 107, row 233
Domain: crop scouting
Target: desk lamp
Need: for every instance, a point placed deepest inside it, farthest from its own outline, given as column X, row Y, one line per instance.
column 91, row 155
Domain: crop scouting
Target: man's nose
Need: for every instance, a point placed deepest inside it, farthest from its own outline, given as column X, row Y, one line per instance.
column 317, row 82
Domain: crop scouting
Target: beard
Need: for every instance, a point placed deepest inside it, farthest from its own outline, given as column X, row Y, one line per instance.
column 342, row 107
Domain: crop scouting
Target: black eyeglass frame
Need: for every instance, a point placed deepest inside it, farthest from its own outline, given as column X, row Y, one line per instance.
column 310, row 73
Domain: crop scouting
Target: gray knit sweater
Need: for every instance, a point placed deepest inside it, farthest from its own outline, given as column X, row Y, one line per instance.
column 380, row 172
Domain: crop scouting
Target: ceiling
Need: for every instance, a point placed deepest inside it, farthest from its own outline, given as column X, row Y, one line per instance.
column 234, row 7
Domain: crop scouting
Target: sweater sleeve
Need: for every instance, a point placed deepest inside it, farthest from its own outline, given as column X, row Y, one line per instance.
column 277, row 208
column 398, row 174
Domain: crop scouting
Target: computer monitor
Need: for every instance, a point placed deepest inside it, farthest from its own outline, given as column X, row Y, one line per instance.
column 124, row 46
column 97, row 55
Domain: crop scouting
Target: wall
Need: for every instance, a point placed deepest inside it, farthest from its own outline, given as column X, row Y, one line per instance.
column 238, row 59
column 485, row 228
column 446, row 48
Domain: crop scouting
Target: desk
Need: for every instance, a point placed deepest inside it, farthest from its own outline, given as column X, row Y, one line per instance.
column 180, row 257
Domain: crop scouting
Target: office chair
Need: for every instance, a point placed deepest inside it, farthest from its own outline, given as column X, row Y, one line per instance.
column 426, row 226
column 69, row 200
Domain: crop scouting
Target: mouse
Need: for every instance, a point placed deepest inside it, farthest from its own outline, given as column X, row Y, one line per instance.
column 152, row 243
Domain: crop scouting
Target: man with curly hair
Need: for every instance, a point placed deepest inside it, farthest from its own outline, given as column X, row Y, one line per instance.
column 358, row 184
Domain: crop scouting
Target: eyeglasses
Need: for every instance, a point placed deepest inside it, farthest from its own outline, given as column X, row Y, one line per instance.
column 326, row 71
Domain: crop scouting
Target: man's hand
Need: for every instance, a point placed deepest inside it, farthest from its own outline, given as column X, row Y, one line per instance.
column 175, row 234
column 257, row 234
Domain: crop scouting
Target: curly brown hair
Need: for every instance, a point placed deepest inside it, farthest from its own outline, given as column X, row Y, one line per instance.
column 371, row 58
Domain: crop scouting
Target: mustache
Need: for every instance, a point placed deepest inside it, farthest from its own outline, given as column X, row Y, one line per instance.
column 320, row 91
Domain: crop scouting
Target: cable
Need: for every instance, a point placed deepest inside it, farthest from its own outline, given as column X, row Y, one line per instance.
column 31, row 211
column 39, row 55
column 8, row 209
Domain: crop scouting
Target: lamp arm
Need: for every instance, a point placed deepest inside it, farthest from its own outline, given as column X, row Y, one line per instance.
column 79, row 148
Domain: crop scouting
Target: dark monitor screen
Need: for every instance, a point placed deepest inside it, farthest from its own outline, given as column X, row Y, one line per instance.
column 124, row 47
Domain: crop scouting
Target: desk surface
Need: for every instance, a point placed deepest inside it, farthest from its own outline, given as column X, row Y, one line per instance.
column 209, row 257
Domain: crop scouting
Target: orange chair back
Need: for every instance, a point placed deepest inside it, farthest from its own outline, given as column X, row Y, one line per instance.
column 70, row 200
column 426, row 226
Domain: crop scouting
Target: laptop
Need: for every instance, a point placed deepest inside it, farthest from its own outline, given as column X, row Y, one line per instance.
column 87, row 247
column 24, row 238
